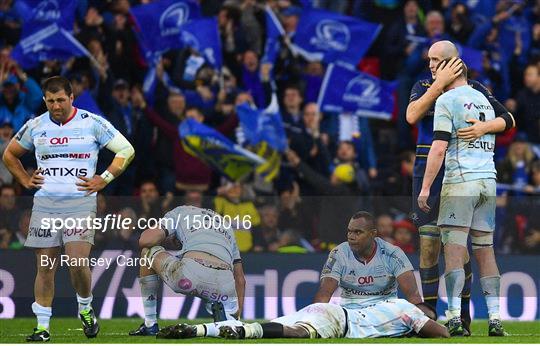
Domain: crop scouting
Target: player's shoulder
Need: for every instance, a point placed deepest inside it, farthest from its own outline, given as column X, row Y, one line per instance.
column 387, row 249
column 342, row 249
column 423, row 83
column 39, row 121
column 84, row 115
column 476, row 85
column 184, row 210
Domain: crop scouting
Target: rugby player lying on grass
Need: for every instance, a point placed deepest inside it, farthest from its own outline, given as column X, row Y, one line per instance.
column 390, row 318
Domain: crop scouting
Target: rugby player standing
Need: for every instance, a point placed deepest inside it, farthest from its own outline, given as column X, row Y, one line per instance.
column 420, row 111
column 66, row 141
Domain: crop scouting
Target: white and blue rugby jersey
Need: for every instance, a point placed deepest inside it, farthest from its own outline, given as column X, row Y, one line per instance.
column 202, row 230
column 362, row 283
column 394, row 317
column 64, row 152
column 465, row 160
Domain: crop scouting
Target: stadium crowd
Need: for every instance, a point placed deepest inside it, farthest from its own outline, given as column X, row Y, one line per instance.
column 334, row 167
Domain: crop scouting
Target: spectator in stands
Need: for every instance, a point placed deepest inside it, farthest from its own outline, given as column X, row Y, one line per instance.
column 394, row 193
column 9, row 210
column 291, row 111
column 312, row 80
column 460, row 25
column 194, row 198
column 18, row 239
column 149, row 204
column 341, row 195
column 290, row 242
column 251, row 78
column 295, row 213
column 233, row 38
column 516, row 166
column 528, row 104
column 401, row 39
column 403, row 236
column 127, row 236
column 6, row 132
column 266, row 237
column 310, row 144
column 20, row 95
column 232, row 202
column 385, row 228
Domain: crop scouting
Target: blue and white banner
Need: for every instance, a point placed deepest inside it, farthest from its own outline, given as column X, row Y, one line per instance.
column 49, row 43
column 274, row 30
column 159, row 25
column 330, row 37
column 349, row 91
column 202, row 35
column 38, row 14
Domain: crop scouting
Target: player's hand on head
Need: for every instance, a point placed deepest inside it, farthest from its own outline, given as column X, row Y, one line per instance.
column 35, row 181
column 422, row 201
column 91, row 185
column 448, row 71
column 476, row 130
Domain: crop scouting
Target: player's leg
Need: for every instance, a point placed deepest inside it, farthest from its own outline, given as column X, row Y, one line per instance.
column 268, row 330
column 187, row 331
column 47, row 263
column 483, row 226
column 81, row 279
column 455, row 252
column 430, row 247
column 149, row 282
column 430, row 242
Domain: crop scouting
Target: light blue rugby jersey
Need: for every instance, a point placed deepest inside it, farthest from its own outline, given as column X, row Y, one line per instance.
column 212, row 238
column 363, row 284
column 465, row 160
column 390, row 318
column 64, row 152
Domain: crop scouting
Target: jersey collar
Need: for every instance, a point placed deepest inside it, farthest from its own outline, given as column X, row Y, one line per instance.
column 370, row 256
column 68, row 119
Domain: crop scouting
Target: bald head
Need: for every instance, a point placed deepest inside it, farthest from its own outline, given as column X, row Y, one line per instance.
column 440, row 51
column 445, row 49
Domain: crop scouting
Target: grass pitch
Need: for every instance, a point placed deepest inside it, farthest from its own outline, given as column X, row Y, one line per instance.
column 69, row 330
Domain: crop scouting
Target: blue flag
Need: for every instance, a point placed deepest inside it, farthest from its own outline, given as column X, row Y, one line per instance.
column 274, row 30
column 348, row 91
column 216, row 150
column 159, row 25
column 328, row 36
column 261, row 126
column 473, row 58
column 203, row 36
column 38, row 14
column 49, row 43
column 87, row 102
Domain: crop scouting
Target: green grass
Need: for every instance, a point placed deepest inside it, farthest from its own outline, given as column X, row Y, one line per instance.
column 68, row 330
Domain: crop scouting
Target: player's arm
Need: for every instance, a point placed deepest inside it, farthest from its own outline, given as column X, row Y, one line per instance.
column 11, row 158
column 433, row 330
column 504, row 120
column 124, row 155
column 240, row 285
column 326, row 289
column 151, row 237
column 418, row 107
column 407, row 285
column 434, row 162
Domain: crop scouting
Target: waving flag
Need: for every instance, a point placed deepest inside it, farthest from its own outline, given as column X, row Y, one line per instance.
column 38, row 14
column 274, row 30
column 87, row 102
column 473, row 58
column 49, row 43
column 212, row 147
column 159, row 24
column 264, row 133
column 328, row 36
column 348, row 91
column 203, row 36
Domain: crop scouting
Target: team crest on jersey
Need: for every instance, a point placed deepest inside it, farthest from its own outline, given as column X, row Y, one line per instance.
column 84, row 115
